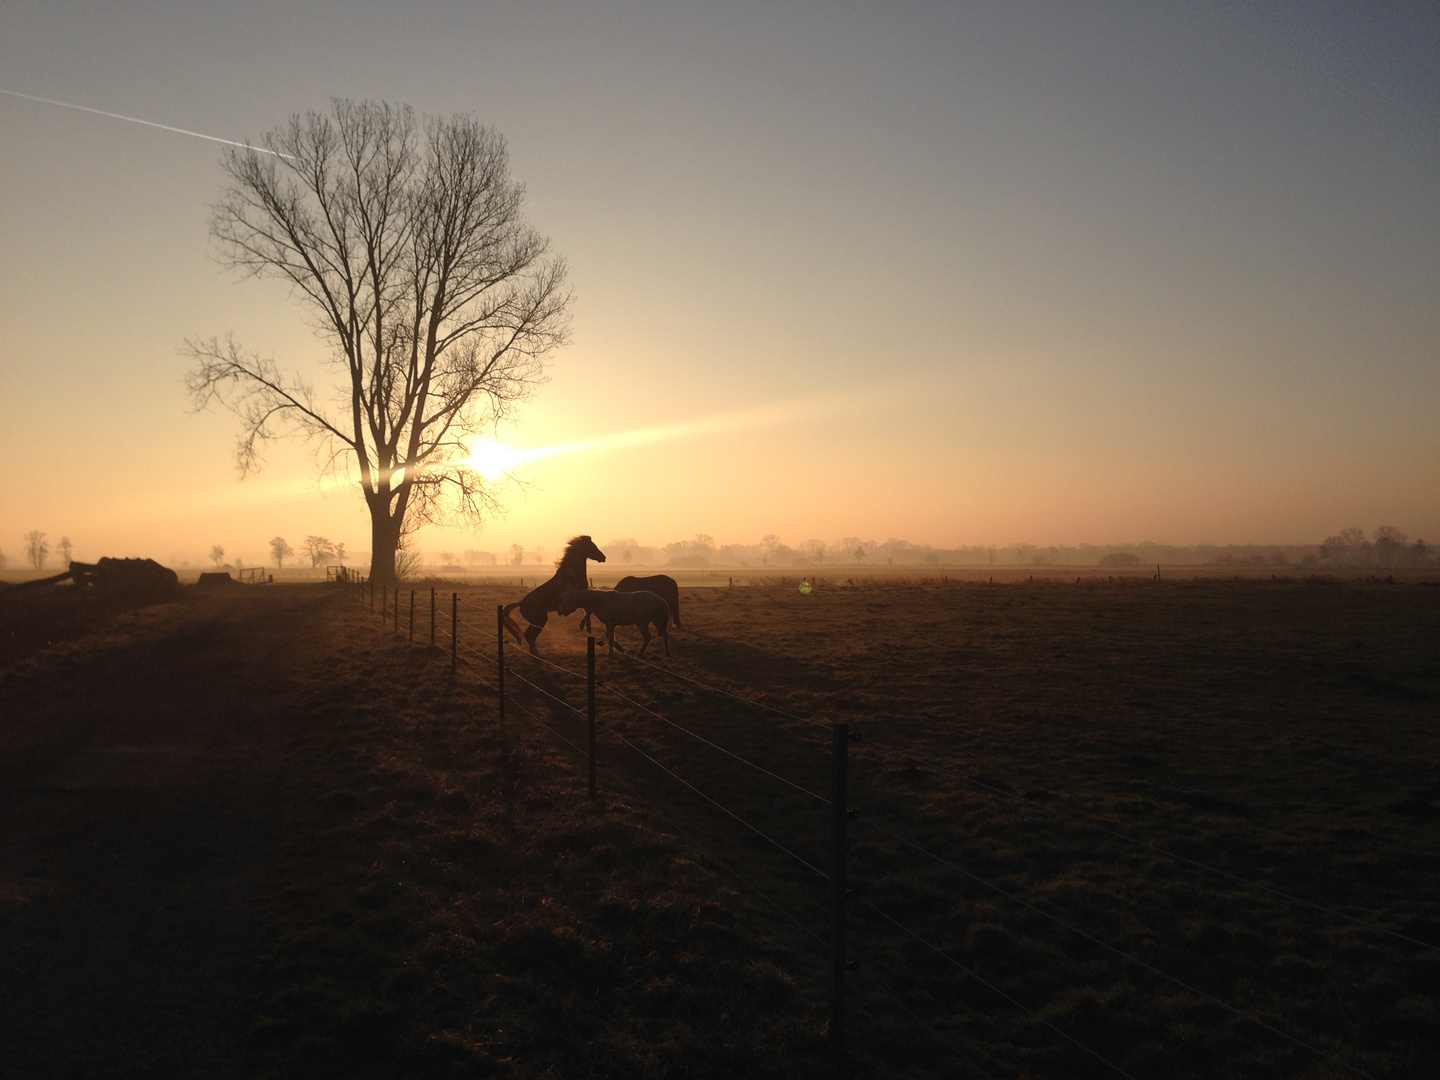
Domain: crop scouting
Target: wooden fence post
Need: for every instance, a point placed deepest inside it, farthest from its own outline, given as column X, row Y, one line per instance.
column 454, row 630
column 432, row 616
column 500, row 659
column 372, row 596
column 590, row 706
column 840, row 745
column 396, row 627
column 412, row 614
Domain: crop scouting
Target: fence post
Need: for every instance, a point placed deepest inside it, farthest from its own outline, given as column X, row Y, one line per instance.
column 590, row 706
column 372, row 596
column 412, row 614
column 396, row 628
column 432, row 616
column 840, row 749
column 454, row 630
column 500, row 659
column 384, row 597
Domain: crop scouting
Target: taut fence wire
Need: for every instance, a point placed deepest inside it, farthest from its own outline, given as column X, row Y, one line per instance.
column 920, row 761
column 837, row 804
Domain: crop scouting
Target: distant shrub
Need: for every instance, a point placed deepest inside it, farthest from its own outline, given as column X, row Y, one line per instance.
column 1120, row 558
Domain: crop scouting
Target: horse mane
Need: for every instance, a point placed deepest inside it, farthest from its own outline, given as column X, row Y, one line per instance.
column 570, row 549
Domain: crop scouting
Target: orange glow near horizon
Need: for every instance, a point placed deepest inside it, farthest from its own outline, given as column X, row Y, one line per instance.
column 804, row 319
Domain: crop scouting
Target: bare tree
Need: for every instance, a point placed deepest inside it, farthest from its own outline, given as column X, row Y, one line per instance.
column 1390, row 544
column 280, row 550
column 516, row 553
column 217, row 555
column 36, row 548
column 439, row 303
column 1346, row 544
column 769, row 544
column 319, row 549
column 65, row 548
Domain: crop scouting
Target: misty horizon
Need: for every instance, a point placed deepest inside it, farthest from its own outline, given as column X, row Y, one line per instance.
column 1386, row 546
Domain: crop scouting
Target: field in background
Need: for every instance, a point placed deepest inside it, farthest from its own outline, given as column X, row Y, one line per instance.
column 605, row 575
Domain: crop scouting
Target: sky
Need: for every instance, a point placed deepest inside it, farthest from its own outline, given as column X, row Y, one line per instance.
column 954, row 273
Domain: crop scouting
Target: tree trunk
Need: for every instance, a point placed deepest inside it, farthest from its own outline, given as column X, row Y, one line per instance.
column 384, row 541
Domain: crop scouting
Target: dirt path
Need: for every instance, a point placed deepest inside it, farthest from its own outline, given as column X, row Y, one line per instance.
column 136, row 822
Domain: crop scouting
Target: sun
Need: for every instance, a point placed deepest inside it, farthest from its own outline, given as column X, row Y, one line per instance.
column 491, row 459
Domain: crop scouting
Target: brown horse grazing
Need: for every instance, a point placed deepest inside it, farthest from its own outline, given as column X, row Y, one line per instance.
column 637, row 609
column 539, row 602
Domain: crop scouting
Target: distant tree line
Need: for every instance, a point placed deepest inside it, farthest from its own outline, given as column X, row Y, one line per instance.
column 37, row 550
column 1387, row 546
column 320, row 550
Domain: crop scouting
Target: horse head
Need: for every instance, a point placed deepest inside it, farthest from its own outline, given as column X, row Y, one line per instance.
column 581, row 548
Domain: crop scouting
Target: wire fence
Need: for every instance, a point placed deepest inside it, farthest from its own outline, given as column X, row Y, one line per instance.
column 649, row 755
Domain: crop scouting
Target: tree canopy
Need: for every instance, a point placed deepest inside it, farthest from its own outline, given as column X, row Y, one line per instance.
column 437, row 302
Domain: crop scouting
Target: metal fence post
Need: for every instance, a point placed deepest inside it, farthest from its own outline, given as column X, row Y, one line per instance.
column 590, row 706
column 500, row 659
column 454, row 630
column 840, row 748
column 412, row 614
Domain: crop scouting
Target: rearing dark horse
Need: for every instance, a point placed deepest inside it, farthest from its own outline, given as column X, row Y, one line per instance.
column 538, row 603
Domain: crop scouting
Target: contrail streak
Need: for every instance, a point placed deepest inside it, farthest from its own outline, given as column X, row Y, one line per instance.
column 147, row 123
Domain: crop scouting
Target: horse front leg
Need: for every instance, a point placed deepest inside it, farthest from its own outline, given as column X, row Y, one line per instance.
column 644, row 638
column 531, row 633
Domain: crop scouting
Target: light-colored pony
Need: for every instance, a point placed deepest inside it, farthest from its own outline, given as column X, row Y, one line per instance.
column 539, row 602
column 662, row 585
column 637, row 609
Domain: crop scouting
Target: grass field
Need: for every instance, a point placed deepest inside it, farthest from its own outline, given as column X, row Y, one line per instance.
column 1176, row 829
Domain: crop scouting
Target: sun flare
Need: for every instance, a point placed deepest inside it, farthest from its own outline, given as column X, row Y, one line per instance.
column 491, row 459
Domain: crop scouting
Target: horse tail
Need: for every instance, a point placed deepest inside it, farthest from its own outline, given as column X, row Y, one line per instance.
column 511, row 624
